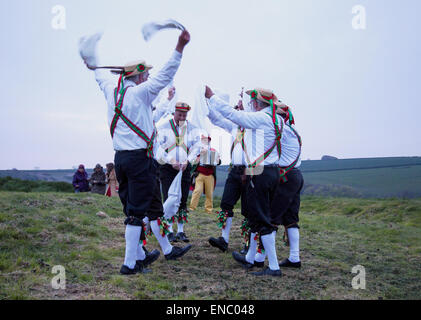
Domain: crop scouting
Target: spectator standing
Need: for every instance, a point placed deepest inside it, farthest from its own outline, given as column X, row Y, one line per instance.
column 111, row 181
column 97, row 180
column 80, row 180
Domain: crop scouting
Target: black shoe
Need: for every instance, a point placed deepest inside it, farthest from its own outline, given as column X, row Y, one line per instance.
column 242, row 260
column 177, row 252
column 268, row 272
column 181, row 236
column 137, row 269
column 171, row 237
column 259, row 264
column 244, row 250
column 219, row 243
column 288, row 264
column 149, row 259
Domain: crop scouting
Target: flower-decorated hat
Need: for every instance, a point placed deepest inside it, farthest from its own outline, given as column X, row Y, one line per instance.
column 136, row 67
column 182, row 106
column 264, row 95
column 285, row 112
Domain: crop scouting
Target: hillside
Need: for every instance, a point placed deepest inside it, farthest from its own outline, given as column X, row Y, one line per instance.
column 41, row 230
column 398, row 177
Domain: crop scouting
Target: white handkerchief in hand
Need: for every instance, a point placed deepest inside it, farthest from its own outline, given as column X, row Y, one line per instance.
column 87, row 48
column 172, row 203
column 149, row 29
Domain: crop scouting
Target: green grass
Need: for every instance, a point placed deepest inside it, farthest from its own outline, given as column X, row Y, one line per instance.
column 40, row 230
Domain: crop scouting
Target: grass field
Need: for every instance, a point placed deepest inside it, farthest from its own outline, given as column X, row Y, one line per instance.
column 40, row 230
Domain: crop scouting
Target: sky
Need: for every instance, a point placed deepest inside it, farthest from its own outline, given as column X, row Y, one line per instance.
column 353, row 91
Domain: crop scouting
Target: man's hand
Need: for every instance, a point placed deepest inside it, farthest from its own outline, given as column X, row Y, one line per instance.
column 171, row 92
column 208, row 92
column 183, row 39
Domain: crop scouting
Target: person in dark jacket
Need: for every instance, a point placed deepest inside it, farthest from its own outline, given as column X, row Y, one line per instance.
column 97, row 180
column 80, row 180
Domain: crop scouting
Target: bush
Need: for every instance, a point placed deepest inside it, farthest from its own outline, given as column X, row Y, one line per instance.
column 18, row 185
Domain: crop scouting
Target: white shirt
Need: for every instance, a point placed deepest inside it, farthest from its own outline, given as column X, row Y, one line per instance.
column 262, row 135
column 290, row 148
column 237, row 156
column 191, row 138
column 137, row 104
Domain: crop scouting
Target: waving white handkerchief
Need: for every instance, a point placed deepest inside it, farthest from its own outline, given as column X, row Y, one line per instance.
column 87, row 48
column 149, row 29
column 172, row 203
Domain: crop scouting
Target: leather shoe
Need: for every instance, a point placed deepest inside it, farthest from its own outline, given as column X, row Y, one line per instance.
column 219, row 243
column 171, row 237
column 177, row 252
column 268, row 272
column 242, row 260
column 137, row 269
column 150, row 258
column 288, row 264
column 181, row 236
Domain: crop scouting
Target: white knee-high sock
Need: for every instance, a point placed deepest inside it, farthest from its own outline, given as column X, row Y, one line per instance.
column 140, row 252
column 268, row 241
column 294, row 244
column 132, row 242
column 163, row 241
column 251, row 253
column 180, row 227
column 170, row 226
column 226, row 230
column 260, row 257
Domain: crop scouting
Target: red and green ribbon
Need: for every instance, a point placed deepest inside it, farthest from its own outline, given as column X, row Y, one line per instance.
column 245, row 230
column 164, row 227
column 182, row 216
column 222, row 219
column 177, row 136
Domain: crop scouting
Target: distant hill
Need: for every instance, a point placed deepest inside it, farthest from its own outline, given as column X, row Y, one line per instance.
column 357, row 178
column 329, row 158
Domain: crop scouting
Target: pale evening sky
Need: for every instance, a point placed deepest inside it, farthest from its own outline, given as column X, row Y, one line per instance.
column 354, row 93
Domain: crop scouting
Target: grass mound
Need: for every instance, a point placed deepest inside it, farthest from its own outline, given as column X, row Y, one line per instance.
column 41, row 230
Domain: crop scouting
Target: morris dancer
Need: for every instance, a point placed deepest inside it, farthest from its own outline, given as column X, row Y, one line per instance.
column 235, row 184
column 261, row 186
column 286, row 203
column 181, row 142
column 133, row 132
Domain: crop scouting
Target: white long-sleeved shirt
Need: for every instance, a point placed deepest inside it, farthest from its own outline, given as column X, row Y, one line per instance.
column 262, row 135
column 191, row 138
column 137, row 104
column 237, row 156
column 290, row 148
